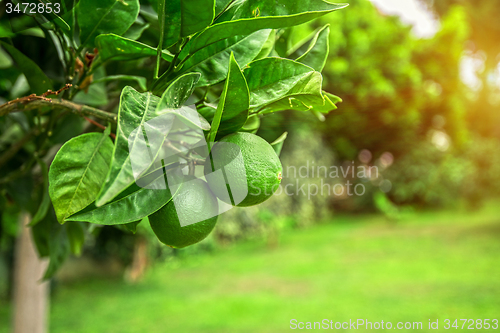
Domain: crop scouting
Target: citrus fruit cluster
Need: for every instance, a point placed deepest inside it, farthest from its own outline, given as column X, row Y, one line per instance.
column 242, row 170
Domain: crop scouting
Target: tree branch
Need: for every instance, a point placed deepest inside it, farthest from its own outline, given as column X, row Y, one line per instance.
column 36, row 102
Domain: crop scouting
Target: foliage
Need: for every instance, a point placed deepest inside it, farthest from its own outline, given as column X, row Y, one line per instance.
column 206, row 53
column 392, row 84
column 398, row 92
column 482, row 16
column 483, row 49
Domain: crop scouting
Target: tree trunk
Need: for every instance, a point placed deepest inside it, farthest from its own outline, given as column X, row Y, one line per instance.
column 30, row 294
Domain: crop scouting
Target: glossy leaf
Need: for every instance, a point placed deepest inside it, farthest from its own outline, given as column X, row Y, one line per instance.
column 212, row 61
column 77, row 172
column 330, row 103
column 317, row 107
column 207, row 110
column 277, row 80
column 268, row 46
column 114, row 47
column 186, row 17
column 232, row 110
column 248, row 16
column 132, row 226
column 178, row 92
column 97, row 17
column 173, row 21
column 252, row 124
column 220, row 6
column 38, row 81
column 132, row 205
column 134, row 111
column 128, row 227
column 317, row 53
column 196, row 15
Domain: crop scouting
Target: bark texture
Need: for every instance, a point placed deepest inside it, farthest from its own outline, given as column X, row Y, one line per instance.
column 31, row 295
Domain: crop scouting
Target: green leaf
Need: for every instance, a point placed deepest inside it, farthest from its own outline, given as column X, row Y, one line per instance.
column 76, row 237
column 66, row 128
column 136, row 30
column 276, row 81
column 128, row 227
column 132, row 205
column 268, row 46
column 78, row 171
column 141, row 81
column 179, row 91
column 330, row 103
column 186, row 17
column 56, row 241
column 249, row 16
column 232, row 110
column 317, row 107
column 44, row 205
column 97, row 17
column 221, row 5
column 56, row 244
column 132, row 226
column 120, row 48
column 134, row 111
column 317, row 54
column 278, row 143
column 212, row 61
column 252, row 124
column 41, row 232
column 96, row 95
column 196, row 15
column 38, row 81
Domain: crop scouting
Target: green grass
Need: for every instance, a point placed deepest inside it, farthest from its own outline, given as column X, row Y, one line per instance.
column 432, row 266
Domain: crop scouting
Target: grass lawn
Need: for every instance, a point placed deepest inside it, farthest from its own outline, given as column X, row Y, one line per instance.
column 431, row 266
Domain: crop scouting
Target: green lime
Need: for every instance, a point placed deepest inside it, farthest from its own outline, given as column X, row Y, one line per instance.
column 243, row 169
column 189, row 217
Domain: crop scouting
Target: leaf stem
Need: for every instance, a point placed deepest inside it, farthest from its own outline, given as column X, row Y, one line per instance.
column 161, row 16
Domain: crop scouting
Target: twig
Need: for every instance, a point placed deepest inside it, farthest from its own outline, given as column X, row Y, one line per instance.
column 93, row 122
column 50, row 92
column 34, row 102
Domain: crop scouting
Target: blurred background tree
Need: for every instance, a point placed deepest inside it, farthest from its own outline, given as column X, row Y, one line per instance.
column 406, row 97
column 482, row 17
